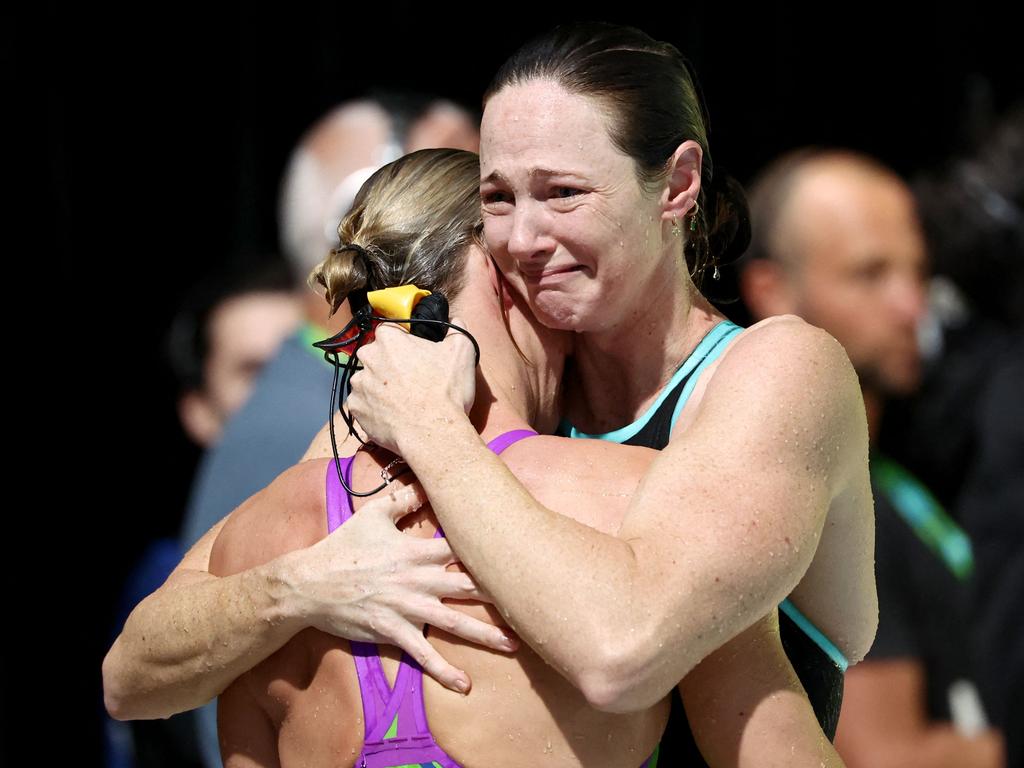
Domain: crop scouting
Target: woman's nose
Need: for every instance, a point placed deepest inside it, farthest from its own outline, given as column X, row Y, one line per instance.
column 527, row 237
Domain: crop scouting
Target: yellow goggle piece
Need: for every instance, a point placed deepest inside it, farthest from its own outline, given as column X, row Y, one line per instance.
column 396, row 302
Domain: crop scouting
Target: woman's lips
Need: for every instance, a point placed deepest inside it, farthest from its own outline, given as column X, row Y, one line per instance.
column 549, row 272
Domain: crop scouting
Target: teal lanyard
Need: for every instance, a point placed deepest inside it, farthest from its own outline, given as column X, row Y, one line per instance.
column 920, row 510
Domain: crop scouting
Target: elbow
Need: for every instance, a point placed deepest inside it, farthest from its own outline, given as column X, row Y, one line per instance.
column 618, row 681
column 121, row 700
column 605, row 693
column 117, row 704
column 860, row 635
column 858, row 647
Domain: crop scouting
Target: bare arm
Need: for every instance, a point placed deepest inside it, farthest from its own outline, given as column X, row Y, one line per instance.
column 752, row 477
column 187, row 641
column 747, row 709
column 884, row 723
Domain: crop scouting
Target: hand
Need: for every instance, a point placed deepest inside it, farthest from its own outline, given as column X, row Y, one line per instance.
column 369, row 581
column 406, row 380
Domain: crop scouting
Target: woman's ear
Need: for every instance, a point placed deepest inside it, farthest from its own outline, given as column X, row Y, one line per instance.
column 683, row 183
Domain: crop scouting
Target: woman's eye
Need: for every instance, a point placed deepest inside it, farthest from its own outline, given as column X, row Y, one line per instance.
column 493, row 197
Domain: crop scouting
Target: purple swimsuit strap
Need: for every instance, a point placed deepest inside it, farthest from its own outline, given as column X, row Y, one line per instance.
column 381, row 703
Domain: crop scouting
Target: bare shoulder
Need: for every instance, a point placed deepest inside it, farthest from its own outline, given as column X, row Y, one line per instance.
column 320, row 447
column 785, row 392
column 791, row 350
column 289, row 514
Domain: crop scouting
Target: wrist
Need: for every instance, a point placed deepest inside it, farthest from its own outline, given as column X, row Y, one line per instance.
column 430, row 435
column 279, row 582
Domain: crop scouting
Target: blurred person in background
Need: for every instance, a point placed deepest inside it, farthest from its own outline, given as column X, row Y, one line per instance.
column 225, row 330
column 837, row 240
column 969, row 414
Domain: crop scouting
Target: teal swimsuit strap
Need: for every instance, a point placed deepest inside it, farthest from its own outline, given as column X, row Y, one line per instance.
column 709, row 347
column 725, row 336
column 786, row 606
column 819, row 637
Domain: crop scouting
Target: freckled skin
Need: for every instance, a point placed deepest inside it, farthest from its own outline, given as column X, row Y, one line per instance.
column 312, row 678
column 518, row 704
column 589, row 216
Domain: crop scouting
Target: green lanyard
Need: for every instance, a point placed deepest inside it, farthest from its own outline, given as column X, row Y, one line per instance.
column 923, row 513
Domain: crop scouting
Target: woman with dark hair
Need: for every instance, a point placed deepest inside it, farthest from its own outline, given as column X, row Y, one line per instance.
column 417, row 221
column 601, row 207
column 760, row 493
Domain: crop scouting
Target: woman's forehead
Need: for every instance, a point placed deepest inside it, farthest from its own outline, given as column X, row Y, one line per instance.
column 541, row 125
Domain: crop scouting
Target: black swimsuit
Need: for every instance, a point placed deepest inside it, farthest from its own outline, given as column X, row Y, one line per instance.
column 816, row 660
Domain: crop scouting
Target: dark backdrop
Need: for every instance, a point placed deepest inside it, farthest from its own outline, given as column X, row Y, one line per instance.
column 166, row 129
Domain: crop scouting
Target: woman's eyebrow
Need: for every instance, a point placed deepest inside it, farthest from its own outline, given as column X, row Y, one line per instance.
column 548, row 172
column 534, row 173
column 494, row 177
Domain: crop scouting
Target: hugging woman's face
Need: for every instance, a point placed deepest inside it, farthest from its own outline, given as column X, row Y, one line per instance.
column 563, row 211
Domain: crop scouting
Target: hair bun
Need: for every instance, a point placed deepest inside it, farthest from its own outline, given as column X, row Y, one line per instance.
column 729, row 222
column 728, row 235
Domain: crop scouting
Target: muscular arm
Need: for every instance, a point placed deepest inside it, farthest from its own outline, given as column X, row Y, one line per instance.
column 186, row 642
column 721, row 529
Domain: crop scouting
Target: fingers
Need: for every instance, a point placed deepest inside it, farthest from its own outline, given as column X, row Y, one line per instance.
column 436, row 552
column 468, row 628
column 415, row 644
column 461, row 586
column 398, row 503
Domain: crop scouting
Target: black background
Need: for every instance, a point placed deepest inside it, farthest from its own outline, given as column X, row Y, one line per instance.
column 165, row 130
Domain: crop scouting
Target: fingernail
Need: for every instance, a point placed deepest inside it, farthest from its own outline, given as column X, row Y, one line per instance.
column 462, row 686
column 508, row 642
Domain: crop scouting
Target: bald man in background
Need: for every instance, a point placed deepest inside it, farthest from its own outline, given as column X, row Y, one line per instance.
column 837, row 241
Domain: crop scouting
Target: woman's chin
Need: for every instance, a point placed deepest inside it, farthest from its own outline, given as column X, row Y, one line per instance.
column 556, row 312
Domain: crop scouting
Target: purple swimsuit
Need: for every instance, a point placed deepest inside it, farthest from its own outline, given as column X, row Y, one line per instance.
column 396, row 732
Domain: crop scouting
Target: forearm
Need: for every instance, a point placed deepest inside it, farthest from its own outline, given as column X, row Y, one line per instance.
column 582, row 599
column 189, row 640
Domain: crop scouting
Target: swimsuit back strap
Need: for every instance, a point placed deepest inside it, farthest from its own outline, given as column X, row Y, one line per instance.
column 339, row 505
column 395, row 719
column 415, row 691
column 373, row 685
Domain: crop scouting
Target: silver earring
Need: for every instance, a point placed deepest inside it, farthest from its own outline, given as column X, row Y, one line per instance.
column 675, row 227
